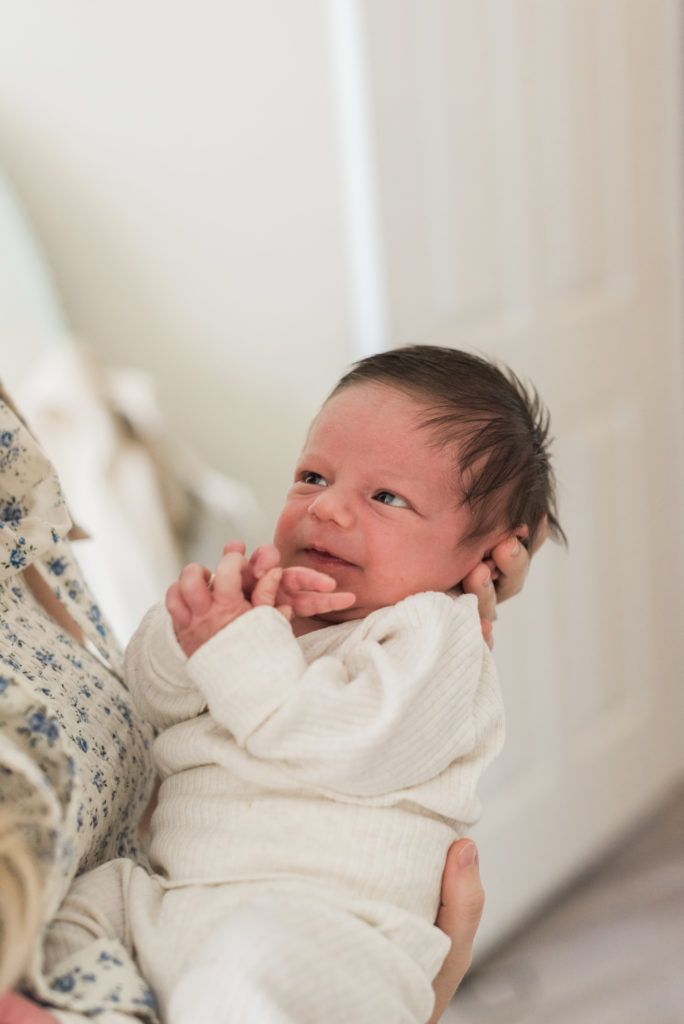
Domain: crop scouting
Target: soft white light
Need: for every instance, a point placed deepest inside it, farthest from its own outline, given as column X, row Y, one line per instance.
column 349, row 64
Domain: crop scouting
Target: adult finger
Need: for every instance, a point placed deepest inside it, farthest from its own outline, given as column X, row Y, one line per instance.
column 512, row 560
column 14, row 1009
column 459, row 917
column 479, row 582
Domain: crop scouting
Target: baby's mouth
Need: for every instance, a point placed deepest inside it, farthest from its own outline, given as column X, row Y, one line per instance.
column 323, row 557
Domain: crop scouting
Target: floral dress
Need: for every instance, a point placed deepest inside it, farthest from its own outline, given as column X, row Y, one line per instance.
column 75, row 762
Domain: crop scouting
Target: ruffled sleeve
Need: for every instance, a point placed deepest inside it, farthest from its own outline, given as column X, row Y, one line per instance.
column 33, row 513
column 75, row 758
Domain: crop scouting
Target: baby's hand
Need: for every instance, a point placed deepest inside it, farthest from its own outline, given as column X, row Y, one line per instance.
column 309, row 592
column 306, row 591
column 200, row 606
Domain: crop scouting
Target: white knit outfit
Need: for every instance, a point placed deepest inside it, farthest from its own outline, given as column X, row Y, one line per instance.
column 311, row 790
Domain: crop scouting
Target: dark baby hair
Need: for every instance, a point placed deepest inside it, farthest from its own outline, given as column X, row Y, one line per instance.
column 499, row 429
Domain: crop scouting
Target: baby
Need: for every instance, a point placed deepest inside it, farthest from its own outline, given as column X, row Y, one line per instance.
column 325, row 710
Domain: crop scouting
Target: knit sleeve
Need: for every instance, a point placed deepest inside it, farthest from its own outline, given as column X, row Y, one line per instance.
column 396, row 703
column 156, row 673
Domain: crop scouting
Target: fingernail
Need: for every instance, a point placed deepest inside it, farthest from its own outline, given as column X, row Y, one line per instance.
column 468, row 856
column 488, row 580
column 516, row 547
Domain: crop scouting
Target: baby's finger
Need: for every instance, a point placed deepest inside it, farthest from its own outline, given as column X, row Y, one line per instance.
column 298, row 577
column 234, row 545
column 238, row 546
column 265, row 557
column 193, row 584
column 310, row 603
column 177, row 608
column 267, row 587
column 227, row 584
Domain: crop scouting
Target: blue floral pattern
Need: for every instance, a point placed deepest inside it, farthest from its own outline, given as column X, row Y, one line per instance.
column 105, row 987
column 75, row 759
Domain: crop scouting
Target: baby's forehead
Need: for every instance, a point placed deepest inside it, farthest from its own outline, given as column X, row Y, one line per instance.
column 396, row 432
column 410, row 403
column 380, row 408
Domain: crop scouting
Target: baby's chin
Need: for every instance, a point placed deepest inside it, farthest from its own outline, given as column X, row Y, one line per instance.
column 339, row 615
column 310, row 624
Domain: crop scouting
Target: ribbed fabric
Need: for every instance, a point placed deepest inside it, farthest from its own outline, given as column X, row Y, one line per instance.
column 324, row 778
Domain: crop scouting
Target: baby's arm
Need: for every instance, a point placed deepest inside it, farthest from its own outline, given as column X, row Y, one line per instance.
column 416, row 682
column 196, row 609
column 156, row 657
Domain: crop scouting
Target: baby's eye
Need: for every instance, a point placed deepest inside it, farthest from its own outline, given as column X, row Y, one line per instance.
column 388, row 498
column 309, row 477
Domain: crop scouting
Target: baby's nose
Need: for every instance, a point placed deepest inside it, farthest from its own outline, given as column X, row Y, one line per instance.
column 331, row 506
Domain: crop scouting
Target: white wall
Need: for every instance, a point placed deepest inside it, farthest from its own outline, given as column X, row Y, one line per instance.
column 179, row 162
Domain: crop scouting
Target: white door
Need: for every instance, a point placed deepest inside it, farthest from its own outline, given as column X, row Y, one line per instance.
column 524, row 166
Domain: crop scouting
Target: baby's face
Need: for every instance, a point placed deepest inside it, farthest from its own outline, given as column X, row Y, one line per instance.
column 373, row 503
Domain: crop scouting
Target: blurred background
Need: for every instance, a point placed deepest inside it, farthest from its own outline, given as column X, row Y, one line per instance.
column 208, row 211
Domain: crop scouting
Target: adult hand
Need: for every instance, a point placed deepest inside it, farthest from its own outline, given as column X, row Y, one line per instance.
column 502, row 575
column 512, row 560
column 459, row 917
column 15, row 1009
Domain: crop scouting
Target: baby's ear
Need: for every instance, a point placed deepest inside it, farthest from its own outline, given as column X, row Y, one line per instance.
column 522, row 532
